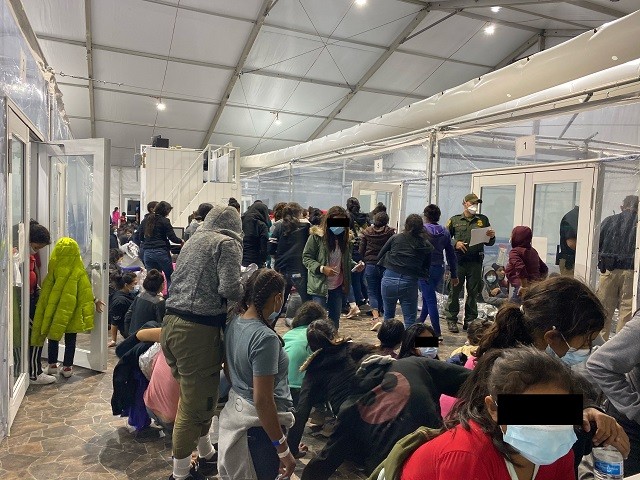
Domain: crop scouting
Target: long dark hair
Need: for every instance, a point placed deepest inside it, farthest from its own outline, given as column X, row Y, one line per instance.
column 162, row 209
column 291, row 217
column 561, row 302
column 331, row 239
column 407, row 349
column 414, row 227
column 260, row 286
column 498, row 372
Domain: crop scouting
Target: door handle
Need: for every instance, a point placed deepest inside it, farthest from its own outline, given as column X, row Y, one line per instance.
column 94, row 266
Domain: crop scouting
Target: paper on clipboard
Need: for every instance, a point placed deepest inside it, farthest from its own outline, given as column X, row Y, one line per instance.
column 479, row 235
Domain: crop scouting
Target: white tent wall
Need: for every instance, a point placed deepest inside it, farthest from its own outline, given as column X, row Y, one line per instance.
column 125, row 183
column 37, row 97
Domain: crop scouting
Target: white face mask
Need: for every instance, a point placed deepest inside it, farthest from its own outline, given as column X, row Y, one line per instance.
column 473, row 209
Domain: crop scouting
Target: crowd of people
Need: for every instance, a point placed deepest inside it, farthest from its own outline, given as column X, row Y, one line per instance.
column 208, row 345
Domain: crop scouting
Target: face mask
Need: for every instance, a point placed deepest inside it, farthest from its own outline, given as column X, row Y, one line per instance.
column 473, row 209
column 337, row 230
column 491, row 279
column 274, row 316
column 429, row 352
column 573, row 356
column 136, row 289
column 541, row 444
column 32, row 250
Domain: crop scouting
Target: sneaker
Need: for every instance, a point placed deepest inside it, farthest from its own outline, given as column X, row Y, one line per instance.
column 208, row 468
column 43, row 379
column 51, row 369
column 193, row 475
column 376, row 327
column 67, row 372
column 440, row 339
column 353, row 312
column 453, row 326
column 465, row 325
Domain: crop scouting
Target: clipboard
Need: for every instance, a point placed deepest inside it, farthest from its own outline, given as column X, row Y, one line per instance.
column 479, row 235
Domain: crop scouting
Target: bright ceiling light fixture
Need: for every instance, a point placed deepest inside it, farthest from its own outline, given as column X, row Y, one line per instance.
column 490, row 29
column 277, row 121
column 495, row 9
column 361, row 3
column 161, row 105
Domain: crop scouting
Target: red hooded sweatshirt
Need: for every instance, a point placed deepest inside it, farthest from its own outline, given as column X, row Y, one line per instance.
column 524, row 261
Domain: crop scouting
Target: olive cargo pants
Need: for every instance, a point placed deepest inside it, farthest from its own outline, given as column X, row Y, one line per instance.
column 469, row 273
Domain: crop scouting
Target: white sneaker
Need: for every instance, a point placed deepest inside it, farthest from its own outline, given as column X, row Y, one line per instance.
column 67, row 372
column 43, row 379
column 51, row 369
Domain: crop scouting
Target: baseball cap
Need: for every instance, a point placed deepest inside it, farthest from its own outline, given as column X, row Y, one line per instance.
column 473, row 198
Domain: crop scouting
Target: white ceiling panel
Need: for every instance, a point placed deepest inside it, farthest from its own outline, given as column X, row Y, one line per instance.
column 76, row 100
column 80, row 128
column 336, row 126
column 491, row 49
column 240, row 142
column 366, row 106
column 124, row 135
column 267, row 146
column 196, row 81
column 69, row 59
column 243, row 9
column 322, row 17
column 528, row 17
column 243, row 121
column 57, row 17
column 567, row 11
column 625, row 6
column 129, row 108
column 294, row 127
column 134, row 24
column 445, row 38
column 411, row 78
column 212, row 33
column 129, row 70
column 448, row 76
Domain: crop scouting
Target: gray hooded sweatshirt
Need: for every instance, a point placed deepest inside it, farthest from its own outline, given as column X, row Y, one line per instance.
column 207, row 273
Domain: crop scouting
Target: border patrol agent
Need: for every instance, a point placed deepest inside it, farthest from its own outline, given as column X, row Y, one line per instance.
column 617, row 251
column 469, row 261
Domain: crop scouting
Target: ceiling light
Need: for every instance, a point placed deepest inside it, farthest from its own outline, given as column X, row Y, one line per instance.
column 614, row 58
column 361, row 3
column 161, row 105
column 277, row 121
column 495, row 9
column 490, row 29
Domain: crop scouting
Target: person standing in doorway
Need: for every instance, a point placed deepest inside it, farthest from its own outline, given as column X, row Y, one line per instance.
column 617, row 248
column 566, row 257
column 469, row 260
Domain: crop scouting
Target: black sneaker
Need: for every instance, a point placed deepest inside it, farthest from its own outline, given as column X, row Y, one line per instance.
column 208, row 468
column 193, row 475
column 465, row 325
column 453, row 326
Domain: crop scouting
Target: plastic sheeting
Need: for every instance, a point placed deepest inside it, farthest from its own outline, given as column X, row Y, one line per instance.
column 125, row 183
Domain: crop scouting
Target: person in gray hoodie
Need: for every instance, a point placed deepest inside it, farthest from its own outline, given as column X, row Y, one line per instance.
column 206, row 278
column 615, row 367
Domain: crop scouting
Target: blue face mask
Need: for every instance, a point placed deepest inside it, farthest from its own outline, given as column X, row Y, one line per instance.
column 574, row 356
column 274, row 316
column 336, row 230
column 541, row 444
column 429, row 352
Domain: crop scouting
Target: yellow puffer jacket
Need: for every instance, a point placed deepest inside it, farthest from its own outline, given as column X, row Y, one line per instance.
column 66, row 299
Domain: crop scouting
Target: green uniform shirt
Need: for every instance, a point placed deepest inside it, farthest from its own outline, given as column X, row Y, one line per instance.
column 460, row 229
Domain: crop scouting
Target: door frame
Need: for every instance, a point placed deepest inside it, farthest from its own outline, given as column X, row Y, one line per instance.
column 530, row 175
column 394, row 188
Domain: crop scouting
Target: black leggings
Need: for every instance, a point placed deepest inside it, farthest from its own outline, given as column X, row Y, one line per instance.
column 69, row 350
column 263, row 455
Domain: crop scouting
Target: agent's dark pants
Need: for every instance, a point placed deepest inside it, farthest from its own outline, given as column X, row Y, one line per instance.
column 469, row 273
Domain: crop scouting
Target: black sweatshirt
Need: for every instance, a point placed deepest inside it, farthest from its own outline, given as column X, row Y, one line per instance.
column 161, row 234
column 407, row 255
column 287, row 248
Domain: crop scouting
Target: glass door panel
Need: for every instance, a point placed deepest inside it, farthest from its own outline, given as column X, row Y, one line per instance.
column 371, row 193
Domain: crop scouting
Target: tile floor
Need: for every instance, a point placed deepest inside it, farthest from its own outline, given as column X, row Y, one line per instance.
column 66, row 431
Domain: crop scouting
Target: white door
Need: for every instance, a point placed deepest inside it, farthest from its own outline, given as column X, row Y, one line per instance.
column 539, row 197
column 77, row 206
column 18, row 269
column 372, row 193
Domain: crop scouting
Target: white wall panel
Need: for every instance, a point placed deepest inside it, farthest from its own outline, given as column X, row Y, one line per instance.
column 57, row 17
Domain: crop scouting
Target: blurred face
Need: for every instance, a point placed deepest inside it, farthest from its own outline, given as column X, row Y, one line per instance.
column 425, row 334
column 36, row 246
column 500, row 273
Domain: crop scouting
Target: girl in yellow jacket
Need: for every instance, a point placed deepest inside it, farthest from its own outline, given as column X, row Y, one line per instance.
column 65, row 306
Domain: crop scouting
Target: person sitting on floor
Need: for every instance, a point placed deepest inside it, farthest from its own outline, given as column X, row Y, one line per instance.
column 148, row 306
column 390, row 334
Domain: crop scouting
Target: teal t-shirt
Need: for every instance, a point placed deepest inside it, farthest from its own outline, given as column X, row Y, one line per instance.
column 296, row 346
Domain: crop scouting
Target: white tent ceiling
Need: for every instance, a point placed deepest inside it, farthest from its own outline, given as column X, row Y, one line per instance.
column 321, row 65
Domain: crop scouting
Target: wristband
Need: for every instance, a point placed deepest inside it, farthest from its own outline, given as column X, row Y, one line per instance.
column 277, row 443
column 285, row 453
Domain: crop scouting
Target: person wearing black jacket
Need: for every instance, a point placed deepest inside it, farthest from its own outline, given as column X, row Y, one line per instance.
column 401, row 396
column 358, row 221
column 119, row 302
column 286, row 245
column 148, row 306
column 255, row 227
column 157, row 233
column 138, row 236
column 406, row 258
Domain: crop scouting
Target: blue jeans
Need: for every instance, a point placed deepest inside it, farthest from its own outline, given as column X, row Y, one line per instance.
column 400, row 287
column 373, row 273
column 429, row 300
column 357, row 289
column 333, row 304
column 159, row 259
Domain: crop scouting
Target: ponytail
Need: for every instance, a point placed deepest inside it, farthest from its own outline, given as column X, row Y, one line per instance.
column 508, row 330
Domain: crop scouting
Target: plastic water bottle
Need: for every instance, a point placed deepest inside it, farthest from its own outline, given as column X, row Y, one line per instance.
column 608, row 463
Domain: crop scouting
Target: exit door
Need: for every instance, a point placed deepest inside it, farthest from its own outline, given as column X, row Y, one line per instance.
column 77, row 176
column 540, row 197
column 371, row 193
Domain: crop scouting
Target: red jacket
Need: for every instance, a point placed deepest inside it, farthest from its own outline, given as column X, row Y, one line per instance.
column 524, row 261
column 470, row 455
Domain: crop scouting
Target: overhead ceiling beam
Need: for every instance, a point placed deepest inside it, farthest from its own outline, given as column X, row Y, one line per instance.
column 264, row 11
column 475, row 3
column 92, row 103
column 206, row 102
column 496, row 21
column 518, row 51
column 565, row 32
column 413, row 24
column 549, row 17
column 595, row 7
